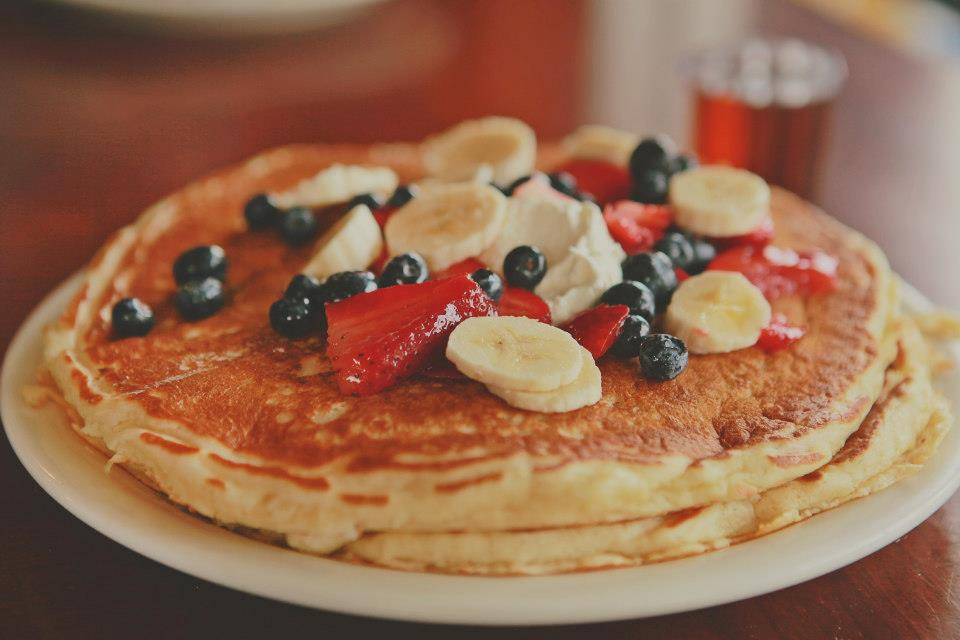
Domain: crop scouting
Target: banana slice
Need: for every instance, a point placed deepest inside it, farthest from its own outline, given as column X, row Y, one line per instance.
column 507, row 145
column 717, row 312
column 353, row 243
column 719, row 201
column 597, row 142
column 518, row 354
column 447, row 224
column 337, row 183
column 585, row 390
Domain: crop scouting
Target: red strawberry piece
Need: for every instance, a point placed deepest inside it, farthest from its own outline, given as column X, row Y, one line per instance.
column 381, row 260
column 520, row 302
column 779, row 334
column 597, row 329
column 778, row 272
column 462, row 268
column 605, row 181
column 681, row 274
column 540, row 185
column 759, row 237
column 382, row 214
column 375, row 339
column 636, row 226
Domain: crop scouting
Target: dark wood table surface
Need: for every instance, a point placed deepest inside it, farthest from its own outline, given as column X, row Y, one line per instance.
column 97, row 120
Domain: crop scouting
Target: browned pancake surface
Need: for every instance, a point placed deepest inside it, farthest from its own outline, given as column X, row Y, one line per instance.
column 232, row 378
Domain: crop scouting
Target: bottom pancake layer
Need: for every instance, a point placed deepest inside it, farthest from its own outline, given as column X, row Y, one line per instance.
column 899, row 434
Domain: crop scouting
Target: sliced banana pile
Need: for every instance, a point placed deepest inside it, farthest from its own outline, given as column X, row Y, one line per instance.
column 447, row 224
column 352, row 244
column 528, row 364
column 597, row 142
column 719, row 201
column 717, row 312
column 507, row 145
column 337, row 183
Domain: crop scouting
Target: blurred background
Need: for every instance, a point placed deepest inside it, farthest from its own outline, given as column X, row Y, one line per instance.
column 107, row 105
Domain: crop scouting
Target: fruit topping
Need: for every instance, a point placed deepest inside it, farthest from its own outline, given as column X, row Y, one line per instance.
column 376, row 339
column 761, row 236
column 635, row 295
column 131, row 317
column 652, row 154
column 336, row 185
column 703, row 254
column 306, row 289
column 717, row 312
column 719, row 201
column 490, row 282
column 677, row 247
column 347, row 284
column 605, row 181
column 778, row 272
column 636, row 226
column 206, row 261
column 447, row 223
column 515, row 353
column 462, row 268
column 651, row 186
column 779, row 334
column 662, row 357
column 656, row 271
column 371, row 200
column 199, row 299
column 520, row 302
column 298, row 226
column 353, row 242
column 597, row 329
column 404, row 194
column 261, row 212
column 291, row 317
column 506, row 146
column 524, row 267
column 584, row 390
column 407, row 268
column 632, row 332
column 600, row 143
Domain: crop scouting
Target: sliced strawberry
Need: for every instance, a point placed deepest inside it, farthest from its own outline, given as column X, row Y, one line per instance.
column 520, row 302
column 381, row 260
column 778, row 272
column 375, row 339
column 597, row 329
column 636, row 226
column 382, row 214
column 539, row 184
column 779, row 334
column 681, row 274
column 759, row 237
column 605, row 181
column 462, row 268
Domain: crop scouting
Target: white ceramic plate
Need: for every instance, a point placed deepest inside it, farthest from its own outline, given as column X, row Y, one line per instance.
column 120, row 507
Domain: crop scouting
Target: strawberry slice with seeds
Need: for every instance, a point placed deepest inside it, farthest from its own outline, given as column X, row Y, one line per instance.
column 605, row 181
column 462, row 268
column 520, row 302
column 779, row 334
column 635, row 225
column 597, row 329
column 759, row 237
column 779, row 272
column 375, row 339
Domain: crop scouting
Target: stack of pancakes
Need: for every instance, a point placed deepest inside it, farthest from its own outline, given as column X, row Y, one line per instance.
column 248, row 428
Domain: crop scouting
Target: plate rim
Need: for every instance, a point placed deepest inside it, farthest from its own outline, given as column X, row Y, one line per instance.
column 436, row 598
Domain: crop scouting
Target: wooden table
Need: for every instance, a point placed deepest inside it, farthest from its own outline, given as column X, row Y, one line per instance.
column 97, row 121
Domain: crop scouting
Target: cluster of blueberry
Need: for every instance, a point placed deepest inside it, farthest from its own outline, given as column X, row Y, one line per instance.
column 652, row 163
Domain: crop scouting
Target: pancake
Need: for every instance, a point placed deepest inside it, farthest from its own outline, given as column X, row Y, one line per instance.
column 246, row 427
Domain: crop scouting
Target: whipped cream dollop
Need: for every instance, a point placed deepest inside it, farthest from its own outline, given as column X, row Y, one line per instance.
column 583, row 260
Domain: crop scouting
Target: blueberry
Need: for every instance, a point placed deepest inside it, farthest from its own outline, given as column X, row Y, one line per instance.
column 628, row 342
column 407, row 268
column 524, row 267
column 298, row 226
column 347, row 284
column 685, row 162
column 662, row 356
column 260, row 212
column 372, row 200
column 678, row 248
column 306, row 289
column 291, row 317
column 404, row 194
column 635, row 295
column 131, row 317
column 490, row 282
column 205, row 261
column 651, row 187
column 199, row 298
column 703, row 255
column 652, row 154
column 654, row 270
column 564, row 183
